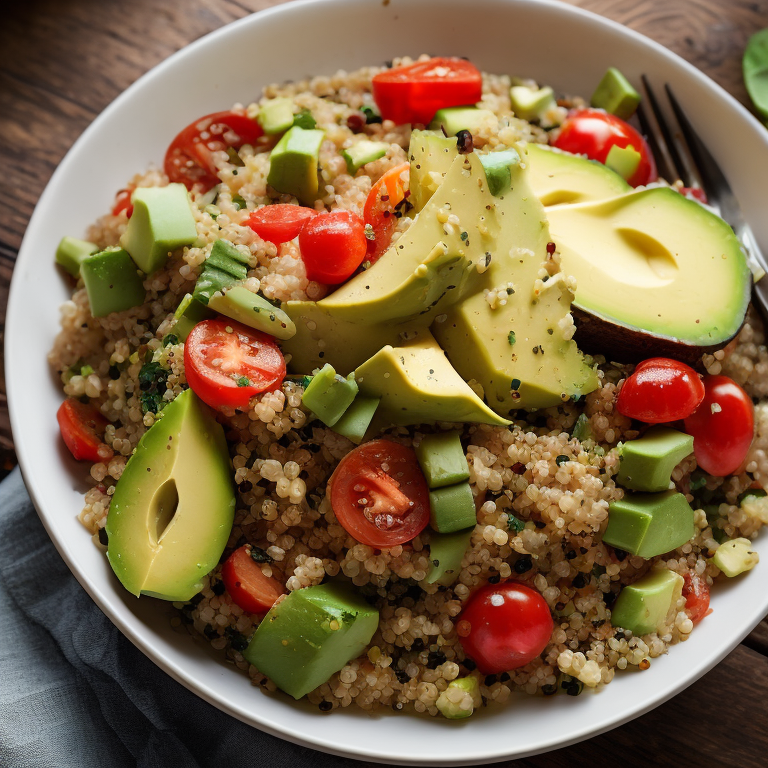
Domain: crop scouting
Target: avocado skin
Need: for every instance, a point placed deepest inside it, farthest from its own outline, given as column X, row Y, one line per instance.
column 183, row 453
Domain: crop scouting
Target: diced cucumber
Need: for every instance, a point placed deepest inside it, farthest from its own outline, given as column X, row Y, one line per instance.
column 442, row 459
column 363, row 152
column 71, row 253
column 276, row 115
column 735, row 556
column 446, row 551
column 329, row 395
column 452, row 508
column 357, row 418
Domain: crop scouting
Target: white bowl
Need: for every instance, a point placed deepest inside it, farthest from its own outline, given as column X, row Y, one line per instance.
column 552, row 42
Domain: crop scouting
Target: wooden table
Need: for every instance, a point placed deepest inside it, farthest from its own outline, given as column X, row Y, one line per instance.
column 61, row 63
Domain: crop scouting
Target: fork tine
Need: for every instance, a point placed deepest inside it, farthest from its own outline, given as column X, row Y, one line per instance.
column 652, row 133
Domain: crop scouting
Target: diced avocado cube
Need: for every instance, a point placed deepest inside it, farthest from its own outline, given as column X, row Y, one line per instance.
column 755, row 504
column 643, row 607
column 188, row 314
column 357, row 418
column 228, row 258
column 112, row 281
column 735, row 556
column 162, row 221
column 647, row 463
column 615, row 94
column 446, row 551
column 452, row 508
column 531, row 103
column 71, row 253
column 457, row 701
column 251, row 309
column 455, row 119
column 649, row 524
column 497, row 171
column 329, row 395
column 276, row 115
column 442, row 459
column 582, row 430
column 623, row 160
column 311, row 634
column 293, row 164
column 363, row 152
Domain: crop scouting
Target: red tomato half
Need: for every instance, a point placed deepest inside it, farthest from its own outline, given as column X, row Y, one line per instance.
column 246, row 583
column 379, row 494
column 660, row 390
column 593, row 133
column 188, row 159
column 379, row 210
column 414, row 93
column 82, row 427
column 332, row 246
column 696, row 594
column 227, row 363
column 123, row 202
column 509, row 626
column 722, row 426
column 280, row 222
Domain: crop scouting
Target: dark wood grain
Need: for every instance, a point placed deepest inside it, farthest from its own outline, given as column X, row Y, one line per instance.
column 63, row 61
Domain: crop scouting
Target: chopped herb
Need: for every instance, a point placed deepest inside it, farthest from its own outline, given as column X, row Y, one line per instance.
column 515, row 524
column 153, row 382
column 465, row 236
column 561, row 459
column 511, row 338
column 234, row 158
column 305, row 120
column 259, row 555
column 598, row 571
column 371, row 114
column 515, row 384
column 170, row 339
column 239, row 202
column 237, row 641
column 243, row 381
column 86, row 370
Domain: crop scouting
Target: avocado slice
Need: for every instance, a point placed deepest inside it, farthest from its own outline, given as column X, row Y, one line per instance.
column 518, row 351
column 173, row 506
column 71, row 253
column 247, row 307
column 635, row 258
column 431, row 155
column 417, row 385
column 446, row 551
column 112, row 281
column 647, row 463
column 643, row 607
column 293, row 163
column 311, row 634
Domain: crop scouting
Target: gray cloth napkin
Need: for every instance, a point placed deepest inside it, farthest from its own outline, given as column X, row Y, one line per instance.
column 74, row 693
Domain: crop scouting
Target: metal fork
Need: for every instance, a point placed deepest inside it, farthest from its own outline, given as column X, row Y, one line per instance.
column 681, row 154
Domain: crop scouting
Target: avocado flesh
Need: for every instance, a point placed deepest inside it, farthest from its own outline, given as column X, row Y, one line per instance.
column 245, row 306
column 173, row 507
column 311, row 634
column 446, row 551
column 636, row 259
column 643, row 607
column 112, row 281
column 647, row 463
column 541, row 368
column 431, row 155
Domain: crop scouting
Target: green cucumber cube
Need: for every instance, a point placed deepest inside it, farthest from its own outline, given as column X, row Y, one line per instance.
column 71, row 253
column 329, row 395
column 615, row 94
column 363, row 152
column 455, row 119
column 442, row 459
column 112, row 282
column 647, row 463
column 446, row 551
column 531, row 103
column 452, row 508
column 276, row 115
column 357, row 418
column 293, row 164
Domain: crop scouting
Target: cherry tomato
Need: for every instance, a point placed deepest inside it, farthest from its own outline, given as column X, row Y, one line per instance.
column 123, row 202
column 414, row 93
column 379, row 210
column 280, row 222
column 697, row 193
column 82, row 427
column 246, row 583
column 593, row 133
column 188, row 159
column 696, row 594
column 660, row 390
column 379, row 494
column 722, row 426
column 504, row 626
column 227, row 363
column 332, row 246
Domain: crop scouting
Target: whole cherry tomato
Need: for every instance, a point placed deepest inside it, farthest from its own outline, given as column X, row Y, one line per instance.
column 379, row 210
column 332, row 246
column 280, row 222
column 722, row 426
column 660, row 390
column 696, row 594
column 594, row 133
column 246, row 583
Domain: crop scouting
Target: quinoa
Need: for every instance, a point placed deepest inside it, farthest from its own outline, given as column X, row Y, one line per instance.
column 542, row 495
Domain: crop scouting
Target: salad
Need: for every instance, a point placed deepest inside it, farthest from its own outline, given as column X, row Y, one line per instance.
column 415, row 387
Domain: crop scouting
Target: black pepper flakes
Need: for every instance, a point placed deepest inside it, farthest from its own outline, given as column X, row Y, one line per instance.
column 218, row 588
column 326, row 706
column 523, row 564
column 580, row 581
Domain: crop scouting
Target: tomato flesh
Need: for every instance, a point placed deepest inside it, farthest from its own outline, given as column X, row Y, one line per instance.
column 594, row 133
column 280, row 222
column 123, row 202
column 722, row 426
column 332, row 246
column 227, row 363
column 412, row 94
column 82, row 426
column 380, row 209
column 189, row 159
column 504, row 626
column 660, row 390
column 696, row 594
column 246, row 583
column 379, row 494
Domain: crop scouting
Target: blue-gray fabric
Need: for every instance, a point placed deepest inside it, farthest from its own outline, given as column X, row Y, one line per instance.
column 74, row 693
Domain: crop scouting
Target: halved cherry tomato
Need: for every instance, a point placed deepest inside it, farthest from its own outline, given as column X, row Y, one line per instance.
column 414, row 93
column 188, row 159
column 696, row 594
column 722, row 426
column 82, row 427
column 227, row 363
column 697, row 193
column 280, row 222
column 379, row 210
column 379, row 494
column 504, row 626
column 332, row 246
column 246, row 583
column 123, row 202
column 660, row 390
column 593, row 133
